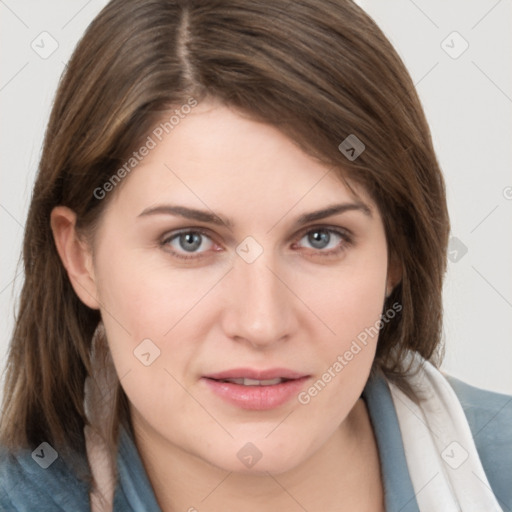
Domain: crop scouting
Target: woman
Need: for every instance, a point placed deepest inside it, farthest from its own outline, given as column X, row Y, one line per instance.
column 233, row 268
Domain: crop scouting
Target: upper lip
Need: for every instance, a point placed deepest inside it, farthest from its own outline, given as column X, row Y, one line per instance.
column 250, row 373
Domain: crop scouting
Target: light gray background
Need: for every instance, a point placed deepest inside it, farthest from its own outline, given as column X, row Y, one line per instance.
column 468, row 104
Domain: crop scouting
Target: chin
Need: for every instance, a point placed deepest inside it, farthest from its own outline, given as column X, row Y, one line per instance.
column 258, row 457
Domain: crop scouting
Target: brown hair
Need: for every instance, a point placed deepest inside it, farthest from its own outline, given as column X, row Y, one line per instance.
column 317, row 70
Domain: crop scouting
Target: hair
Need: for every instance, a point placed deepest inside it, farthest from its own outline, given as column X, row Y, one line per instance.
column 319, row 71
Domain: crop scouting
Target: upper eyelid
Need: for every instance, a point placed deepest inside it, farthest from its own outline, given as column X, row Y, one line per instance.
column 326, row 227
column 345, row 233
column 300, row 234
column 180, row 231
column 207, row 231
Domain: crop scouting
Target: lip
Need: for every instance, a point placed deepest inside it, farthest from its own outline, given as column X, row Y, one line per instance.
column 257, row 398
column 250, row 373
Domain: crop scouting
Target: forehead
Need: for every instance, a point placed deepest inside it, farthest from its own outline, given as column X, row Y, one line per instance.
column 217, row 157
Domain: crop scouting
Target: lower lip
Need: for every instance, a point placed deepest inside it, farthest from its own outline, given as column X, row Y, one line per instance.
column 257, row 398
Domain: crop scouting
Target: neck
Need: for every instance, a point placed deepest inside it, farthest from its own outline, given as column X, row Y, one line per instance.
column 344, row 474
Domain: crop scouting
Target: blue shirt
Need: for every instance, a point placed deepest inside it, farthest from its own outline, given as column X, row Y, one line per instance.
column 27, row 487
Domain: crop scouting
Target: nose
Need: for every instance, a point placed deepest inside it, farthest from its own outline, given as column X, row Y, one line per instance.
column 259, row 306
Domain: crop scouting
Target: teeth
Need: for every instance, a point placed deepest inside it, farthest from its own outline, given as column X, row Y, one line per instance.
column 234, row 381
column 254, row 382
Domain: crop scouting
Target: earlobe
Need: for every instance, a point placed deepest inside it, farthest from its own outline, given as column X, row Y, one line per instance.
column 75, row 254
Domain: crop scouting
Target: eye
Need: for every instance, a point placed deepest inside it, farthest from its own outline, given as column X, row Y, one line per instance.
column 186, row 244
column 326, row 241
column 193, row 243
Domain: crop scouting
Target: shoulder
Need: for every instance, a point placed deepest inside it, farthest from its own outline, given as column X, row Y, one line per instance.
column 39, row 480
column 489, row 415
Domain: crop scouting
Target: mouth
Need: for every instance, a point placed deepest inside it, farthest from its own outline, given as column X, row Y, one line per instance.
column 254, row 382
column 256, row 390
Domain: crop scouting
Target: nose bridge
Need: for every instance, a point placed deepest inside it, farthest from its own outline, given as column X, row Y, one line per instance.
column 260, row 308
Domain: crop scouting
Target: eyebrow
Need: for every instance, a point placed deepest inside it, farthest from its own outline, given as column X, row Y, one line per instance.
column 211, row 218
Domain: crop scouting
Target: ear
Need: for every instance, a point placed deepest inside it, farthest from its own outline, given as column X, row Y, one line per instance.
column 394, row 275
column 75, row 254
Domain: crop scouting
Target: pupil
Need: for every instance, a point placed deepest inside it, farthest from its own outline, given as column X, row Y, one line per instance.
column 319, row 239
column 192, row 241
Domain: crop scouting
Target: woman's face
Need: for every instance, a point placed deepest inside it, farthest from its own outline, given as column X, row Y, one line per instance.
column 272, row 295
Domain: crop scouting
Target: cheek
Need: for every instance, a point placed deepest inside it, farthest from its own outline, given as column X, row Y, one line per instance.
column 350, row 306
column 146, row 312
column 148, row 309
column 177, row 308
column 144, row 298
column 351, row 299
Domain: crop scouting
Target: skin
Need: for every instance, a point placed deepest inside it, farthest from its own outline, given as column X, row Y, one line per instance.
column 293, row 307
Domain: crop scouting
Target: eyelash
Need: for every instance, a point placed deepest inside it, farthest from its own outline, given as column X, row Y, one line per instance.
column 346, row 241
